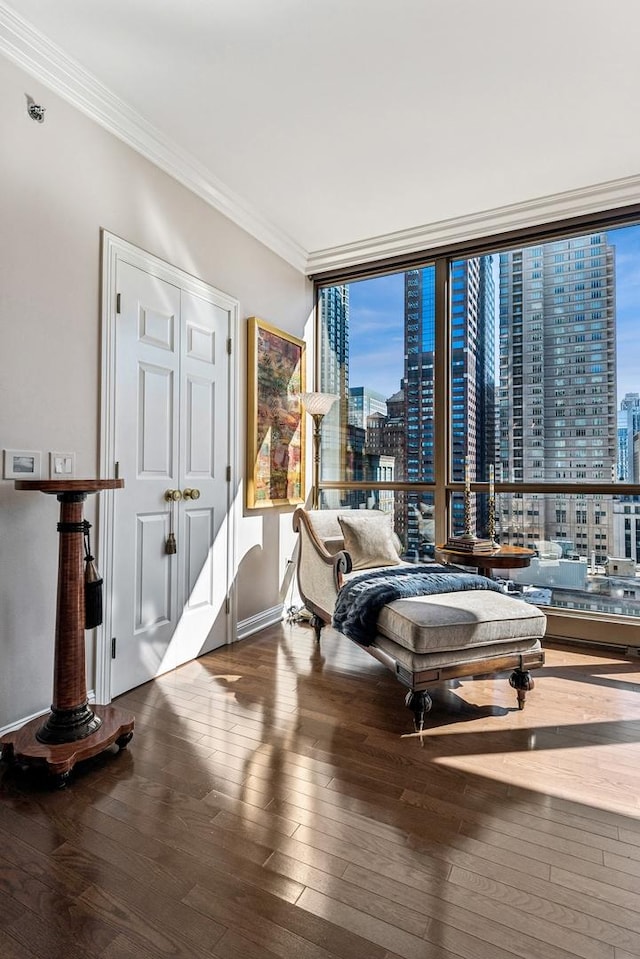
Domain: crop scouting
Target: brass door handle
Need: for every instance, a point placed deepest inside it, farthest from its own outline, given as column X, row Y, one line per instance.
column 173, row 494
column 191, row 494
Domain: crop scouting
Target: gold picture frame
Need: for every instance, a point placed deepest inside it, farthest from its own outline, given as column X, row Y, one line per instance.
column 276, row 434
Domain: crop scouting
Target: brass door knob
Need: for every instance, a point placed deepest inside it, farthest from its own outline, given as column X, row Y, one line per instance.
column 191, row 494
column 173, row 494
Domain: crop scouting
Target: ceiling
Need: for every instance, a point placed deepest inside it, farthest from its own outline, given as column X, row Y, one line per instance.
column 342, row 129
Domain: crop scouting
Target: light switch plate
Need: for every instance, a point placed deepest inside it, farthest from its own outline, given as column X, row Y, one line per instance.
column 62, row 465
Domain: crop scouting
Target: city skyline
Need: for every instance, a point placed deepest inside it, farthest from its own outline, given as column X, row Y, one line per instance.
column 533, row 337
column 377, row 322
column 542, row 359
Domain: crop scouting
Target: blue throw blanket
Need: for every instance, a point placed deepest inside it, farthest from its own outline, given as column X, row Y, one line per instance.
column 361, row 598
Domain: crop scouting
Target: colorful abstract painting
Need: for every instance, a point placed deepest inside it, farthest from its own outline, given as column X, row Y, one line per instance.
column 276, row 427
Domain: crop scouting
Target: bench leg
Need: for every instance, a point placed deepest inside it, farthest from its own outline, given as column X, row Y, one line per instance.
column 521, row 681
column 419, row 703
column 317, row 624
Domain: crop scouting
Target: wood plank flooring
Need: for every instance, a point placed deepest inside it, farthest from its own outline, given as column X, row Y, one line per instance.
column 275, row 801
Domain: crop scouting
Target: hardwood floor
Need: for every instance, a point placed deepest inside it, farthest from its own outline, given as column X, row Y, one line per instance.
column 275, row 802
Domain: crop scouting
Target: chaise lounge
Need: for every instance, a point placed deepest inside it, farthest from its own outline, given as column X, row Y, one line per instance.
column 461, row 627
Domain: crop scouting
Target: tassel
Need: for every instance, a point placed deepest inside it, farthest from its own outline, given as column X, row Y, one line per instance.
column 92, row 587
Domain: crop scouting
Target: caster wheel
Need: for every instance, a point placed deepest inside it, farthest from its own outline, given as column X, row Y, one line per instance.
column 123, row 741
column 60, row 780
column 8, row 756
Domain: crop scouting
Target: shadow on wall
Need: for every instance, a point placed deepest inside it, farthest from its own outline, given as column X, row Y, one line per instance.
column 267, row 549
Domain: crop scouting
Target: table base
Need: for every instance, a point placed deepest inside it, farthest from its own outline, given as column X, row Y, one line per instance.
column 23, row 746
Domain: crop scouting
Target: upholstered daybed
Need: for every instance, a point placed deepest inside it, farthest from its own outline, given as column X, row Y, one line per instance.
column 424, row 640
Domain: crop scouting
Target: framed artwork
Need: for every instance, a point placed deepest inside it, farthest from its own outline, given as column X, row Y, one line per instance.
column 275, row 418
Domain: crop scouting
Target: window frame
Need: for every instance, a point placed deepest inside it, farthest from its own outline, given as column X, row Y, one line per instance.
column 562, row 624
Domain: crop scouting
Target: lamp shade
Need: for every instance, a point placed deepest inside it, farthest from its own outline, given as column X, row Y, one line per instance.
column 317, row 404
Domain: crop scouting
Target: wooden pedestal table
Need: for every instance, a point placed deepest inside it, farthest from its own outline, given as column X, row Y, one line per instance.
column 72, row 731
column 502, row 557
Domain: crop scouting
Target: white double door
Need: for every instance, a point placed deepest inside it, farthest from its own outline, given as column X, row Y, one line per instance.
column 171, row 438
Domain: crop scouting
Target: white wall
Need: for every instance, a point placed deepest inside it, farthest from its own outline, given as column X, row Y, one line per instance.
column 60, row 183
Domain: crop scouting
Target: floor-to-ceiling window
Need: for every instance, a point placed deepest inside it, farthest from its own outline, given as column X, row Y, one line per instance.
column 520, row 363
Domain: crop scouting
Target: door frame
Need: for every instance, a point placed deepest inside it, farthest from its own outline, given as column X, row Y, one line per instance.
column 114, row 250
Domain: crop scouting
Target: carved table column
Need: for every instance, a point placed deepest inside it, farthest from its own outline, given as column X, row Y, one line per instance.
column 72, row 731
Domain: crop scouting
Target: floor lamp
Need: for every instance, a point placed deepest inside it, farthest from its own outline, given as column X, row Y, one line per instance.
column 317, row 405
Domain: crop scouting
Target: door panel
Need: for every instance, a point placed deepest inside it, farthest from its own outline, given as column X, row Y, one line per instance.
column 171, row 399
column 156, row 422
column 157, row 329
column 153, row 573
column 198, row 566
column 147, row 374
column 204, row 457
column 201, row 428
column 200, row 344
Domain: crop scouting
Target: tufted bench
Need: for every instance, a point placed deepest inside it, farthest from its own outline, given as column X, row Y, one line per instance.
column 423, row 640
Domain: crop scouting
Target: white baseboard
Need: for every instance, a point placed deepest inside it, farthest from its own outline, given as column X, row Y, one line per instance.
column 19, row 723
column 268, row 617
column 246, row 627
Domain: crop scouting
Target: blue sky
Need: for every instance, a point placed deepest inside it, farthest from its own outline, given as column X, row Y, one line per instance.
column 377, row 323
column 627, row 252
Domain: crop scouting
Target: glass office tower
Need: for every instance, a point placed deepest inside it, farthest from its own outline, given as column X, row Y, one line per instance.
column 334, row 378
column 473, row 414
column 628, row 429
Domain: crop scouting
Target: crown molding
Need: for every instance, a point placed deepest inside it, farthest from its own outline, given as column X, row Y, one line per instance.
column 44, row 60
column 592, row 199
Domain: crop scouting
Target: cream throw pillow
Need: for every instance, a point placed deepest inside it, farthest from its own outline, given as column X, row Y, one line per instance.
column 369, row 539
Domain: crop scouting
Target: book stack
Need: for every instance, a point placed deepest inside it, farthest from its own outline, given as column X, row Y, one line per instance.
column 464, row 544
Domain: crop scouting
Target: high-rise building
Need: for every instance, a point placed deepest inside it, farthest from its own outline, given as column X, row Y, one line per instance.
column 629, row 426
column 334, row 378
column 386, row 434
column 473, row 365
column 622, row 469
column 626, row 509
column 473, row 419
column 626, row 528
column 385, row 446
column 362, row 403
column 419, row 352
column 557, row 396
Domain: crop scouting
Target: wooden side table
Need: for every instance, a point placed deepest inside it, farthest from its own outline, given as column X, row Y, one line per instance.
column 503, row 557
column 72, row 731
